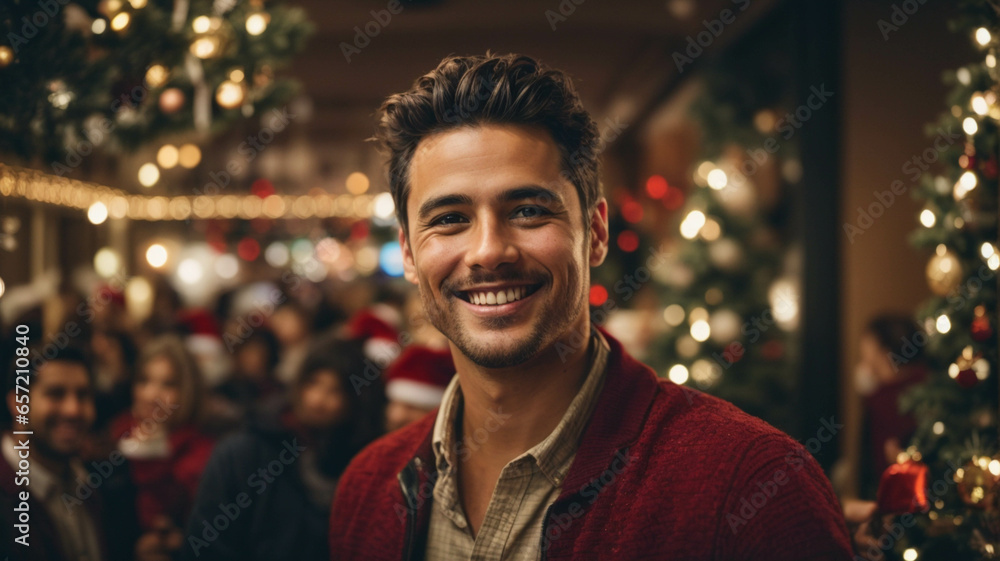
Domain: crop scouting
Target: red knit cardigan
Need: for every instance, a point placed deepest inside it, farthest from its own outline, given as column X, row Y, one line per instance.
column 662, row 472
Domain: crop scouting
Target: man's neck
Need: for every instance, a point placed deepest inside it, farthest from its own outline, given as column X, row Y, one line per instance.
column 508, row 411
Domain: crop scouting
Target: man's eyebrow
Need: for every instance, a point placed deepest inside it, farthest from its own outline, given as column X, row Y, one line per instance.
column 531, row 192
column 431, row 205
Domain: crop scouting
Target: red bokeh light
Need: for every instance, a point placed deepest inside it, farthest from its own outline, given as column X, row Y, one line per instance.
column 656, row 186
column 598, row 295
column 628, row 241
column 248, row 249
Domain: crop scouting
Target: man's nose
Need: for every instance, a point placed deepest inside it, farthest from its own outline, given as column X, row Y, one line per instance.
column 72, row 406
column 492, row 245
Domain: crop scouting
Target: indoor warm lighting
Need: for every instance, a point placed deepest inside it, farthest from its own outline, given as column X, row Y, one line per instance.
column 357, row 183
column 167, row 156
column 156, row 256
column 97, row 213
column 149, row 174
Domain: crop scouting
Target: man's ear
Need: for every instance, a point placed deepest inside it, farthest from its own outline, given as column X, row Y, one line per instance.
column 599, row 233
column 409, row 269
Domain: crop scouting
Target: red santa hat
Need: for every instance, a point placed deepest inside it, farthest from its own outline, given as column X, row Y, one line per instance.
column 419, row 376
column 377, row 327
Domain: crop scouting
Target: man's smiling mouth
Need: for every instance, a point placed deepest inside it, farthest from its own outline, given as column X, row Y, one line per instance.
column 498, row 295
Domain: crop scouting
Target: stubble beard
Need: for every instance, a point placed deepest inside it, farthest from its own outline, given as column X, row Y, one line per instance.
column 557, row 316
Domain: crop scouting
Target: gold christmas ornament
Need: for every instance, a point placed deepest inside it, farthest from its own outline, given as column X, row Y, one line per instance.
column 944, row 272
column 976, row 484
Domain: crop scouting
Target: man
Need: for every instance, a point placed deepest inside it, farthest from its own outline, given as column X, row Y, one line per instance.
column 42, row 477
column 551, row 442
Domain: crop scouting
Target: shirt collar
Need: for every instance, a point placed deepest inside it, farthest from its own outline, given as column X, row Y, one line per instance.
column 43, row 482
column 555, row 453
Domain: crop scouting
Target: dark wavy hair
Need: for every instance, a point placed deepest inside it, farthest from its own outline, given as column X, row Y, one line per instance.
column 490, row 89
column 366, row 402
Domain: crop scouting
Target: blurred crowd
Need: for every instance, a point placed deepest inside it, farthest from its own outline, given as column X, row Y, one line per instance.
column 210, row 432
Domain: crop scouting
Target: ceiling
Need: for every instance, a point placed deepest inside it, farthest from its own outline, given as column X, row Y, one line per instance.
column 618, row 53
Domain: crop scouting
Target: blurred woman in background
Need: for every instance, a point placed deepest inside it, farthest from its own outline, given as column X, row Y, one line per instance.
column 166, row 449
column 282, row 473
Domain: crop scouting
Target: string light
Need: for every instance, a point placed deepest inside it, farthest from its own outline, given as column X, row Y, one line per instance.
column 983, row 36
column 156, row 256
column 970, row 126
column 39, row 187
column 927, row 218
column 149, row 174
column 97, row 213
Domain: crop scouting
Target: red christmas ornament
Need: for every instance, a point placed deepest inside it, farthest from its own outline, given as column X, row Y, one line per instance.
column 903, row 488
column 967, row 378
column 981, row 329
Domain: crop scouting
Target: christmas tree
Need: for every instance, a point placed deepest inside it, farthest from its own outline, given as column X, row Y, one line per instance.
column 115, row 74
column 731, row 290
column 950, row 474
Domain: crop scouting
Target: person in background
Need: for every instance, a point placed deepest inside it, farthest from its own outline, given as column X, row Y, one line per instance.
column 252, row 384
column 889, row 364
column 65, row 524
column 114, row 358
column 415, row 384
column 282, row 473
column 160, row 437
column 290, row 323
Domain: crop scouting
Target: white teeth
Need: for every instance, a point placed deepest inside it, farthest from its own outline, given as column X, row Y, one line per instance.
column 497, row 298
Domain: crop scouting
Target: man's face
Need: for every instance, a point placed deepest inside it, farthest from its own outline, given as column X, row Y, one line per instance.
column 62, row 408
column 497, row 242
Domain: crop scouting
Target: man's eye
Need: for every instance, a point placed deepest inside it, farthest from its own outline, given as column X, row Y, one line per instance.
column 448, row 219
column 530, row 212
